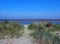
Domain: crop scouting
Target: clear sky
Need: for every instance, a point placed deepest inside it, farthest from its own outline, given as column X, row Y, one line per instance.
column 29, row 9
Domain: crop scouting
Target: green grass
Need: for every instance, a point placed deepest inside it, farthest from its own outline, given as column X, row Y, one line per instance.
column 11, row 28
column 56, row 27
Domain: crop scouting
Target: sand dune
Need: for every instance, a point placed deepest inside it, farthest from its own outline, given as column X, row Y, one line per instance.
column 25, row 39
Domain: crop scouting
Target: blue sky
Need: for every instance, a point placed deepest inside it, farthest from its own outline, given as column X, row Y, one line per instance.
column 29, row 9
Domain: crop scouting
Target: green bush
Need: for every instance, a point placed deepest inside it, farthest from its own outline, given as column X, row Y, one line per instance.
column 11, row 29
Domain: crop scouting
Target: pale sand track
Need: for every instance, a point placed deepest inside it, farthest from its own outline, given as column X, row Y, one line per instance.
column 25, row 39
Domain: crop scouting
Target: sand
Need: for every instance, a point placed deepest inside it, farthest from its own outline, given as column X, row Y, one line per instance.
column 25, row 39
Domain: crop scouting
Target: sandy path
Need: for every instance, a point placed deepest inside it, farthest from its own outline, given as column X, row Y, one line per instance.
column 25, row 39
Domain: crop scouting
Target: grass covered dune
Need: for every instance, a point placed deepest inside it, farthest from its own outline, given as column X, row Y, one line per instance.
column 34, row 33
column 10, row 29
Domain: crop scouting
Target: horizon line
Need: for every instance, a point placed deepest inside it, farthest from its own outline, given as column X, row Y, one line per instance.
column 30, row 19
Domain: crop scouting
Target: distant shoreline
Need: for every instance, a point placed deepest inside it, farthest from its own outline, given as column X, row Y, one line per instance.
column 30, row 21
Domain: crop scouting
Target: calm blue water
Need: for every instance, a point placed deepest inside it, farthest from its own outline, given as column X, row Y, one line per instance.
column 28, row 22
column 32, row 22
column 25, row 22
column 55, row 22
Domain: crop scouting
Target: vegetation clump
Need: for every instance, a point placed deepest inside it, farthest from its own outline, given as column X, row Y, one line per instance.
column 42, row 33
column 10, row 29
